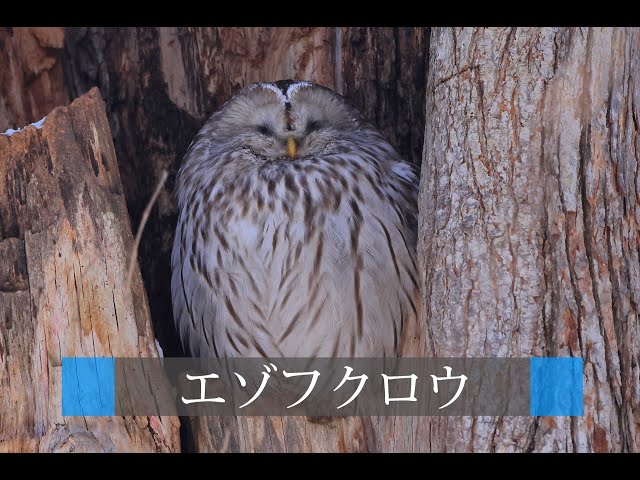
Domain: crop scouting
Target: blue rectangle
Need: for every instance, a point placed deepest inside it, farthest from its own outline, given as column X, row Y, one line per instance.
column 555, row 387
column 88, row 386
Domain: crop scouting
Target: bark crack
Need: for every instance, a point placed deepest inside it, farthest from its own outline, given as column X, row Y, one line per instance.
column 454, row 75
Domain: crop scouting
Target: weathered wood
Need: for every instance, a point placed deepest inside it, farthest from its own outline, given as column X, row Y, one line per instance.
column 383, row 72
column 529, row 207
column 31, row 80
column 161, row 84
column 529, row 222
column 65, row 240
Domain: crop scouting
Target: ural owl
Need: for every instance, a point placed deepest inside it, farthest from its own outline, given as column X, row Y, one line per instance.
column 296, row 231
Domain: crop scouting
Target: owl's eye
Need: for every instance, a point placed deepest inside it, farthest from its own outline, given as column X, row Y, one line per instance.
column 265, row 130
column 313, row 126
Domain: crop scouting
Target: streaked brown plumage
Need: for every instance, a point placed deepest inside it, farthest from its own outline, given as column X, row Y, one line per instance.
column 296, row 230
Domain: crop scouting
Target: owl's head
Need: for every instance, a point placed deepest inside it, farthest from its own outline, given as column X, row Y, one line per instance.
column 283, row 120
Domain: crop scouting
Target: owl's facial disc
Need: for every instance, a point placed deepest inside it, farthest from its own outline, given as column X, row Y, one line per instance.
column 293, row 120
column 283, row 134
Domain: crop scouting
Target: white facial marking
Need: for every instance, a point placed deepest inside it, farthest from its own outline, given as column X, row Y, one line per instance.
column 274, row 89
column 291, row 89
column 295, row 86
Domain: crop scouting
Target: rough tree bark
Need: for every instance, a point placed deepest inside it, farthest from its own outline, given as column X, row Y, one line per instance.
column 31, row 81
column 161, row 84
column 529, row 230
column 529, row 198
column 64, row 242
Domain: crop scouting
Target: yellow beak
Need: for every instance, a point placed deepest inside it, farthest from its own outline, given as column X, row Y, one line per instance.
column 292, row 148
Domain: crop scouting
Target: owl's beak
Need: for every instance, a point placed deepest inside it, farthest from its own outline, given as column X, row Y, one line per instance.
column 292, row 147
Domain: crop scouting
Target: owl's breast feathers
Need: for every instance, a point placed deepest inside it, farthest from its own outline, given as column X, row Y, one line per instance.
column 313, row 258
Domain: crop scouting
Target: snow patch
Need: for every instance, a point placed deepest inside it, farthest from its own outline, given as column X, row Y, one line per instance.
column 37, row 124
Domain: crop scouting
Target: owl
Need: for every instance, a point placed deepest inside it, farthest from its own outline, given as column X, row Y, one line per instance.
column 296, row 230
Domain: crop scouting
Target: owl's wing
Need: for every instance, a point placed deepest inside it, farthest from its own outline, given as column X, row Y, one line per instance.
column 194, row 304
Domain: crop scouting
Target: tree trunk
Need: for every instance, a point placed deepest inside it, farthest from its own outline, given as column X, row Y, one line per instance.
column 383, row 72
column 160, row 86
column 31, row 81
column 529, row 214
column 64, row 241
column 529, row 223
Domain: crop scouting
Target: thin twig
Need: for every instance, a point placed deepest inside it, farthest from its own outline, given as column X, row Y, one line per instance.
column 133, row 256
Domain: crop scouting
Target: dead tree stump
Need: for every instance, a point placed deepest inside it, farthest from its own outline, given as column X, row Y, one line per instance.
column 65, row 240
